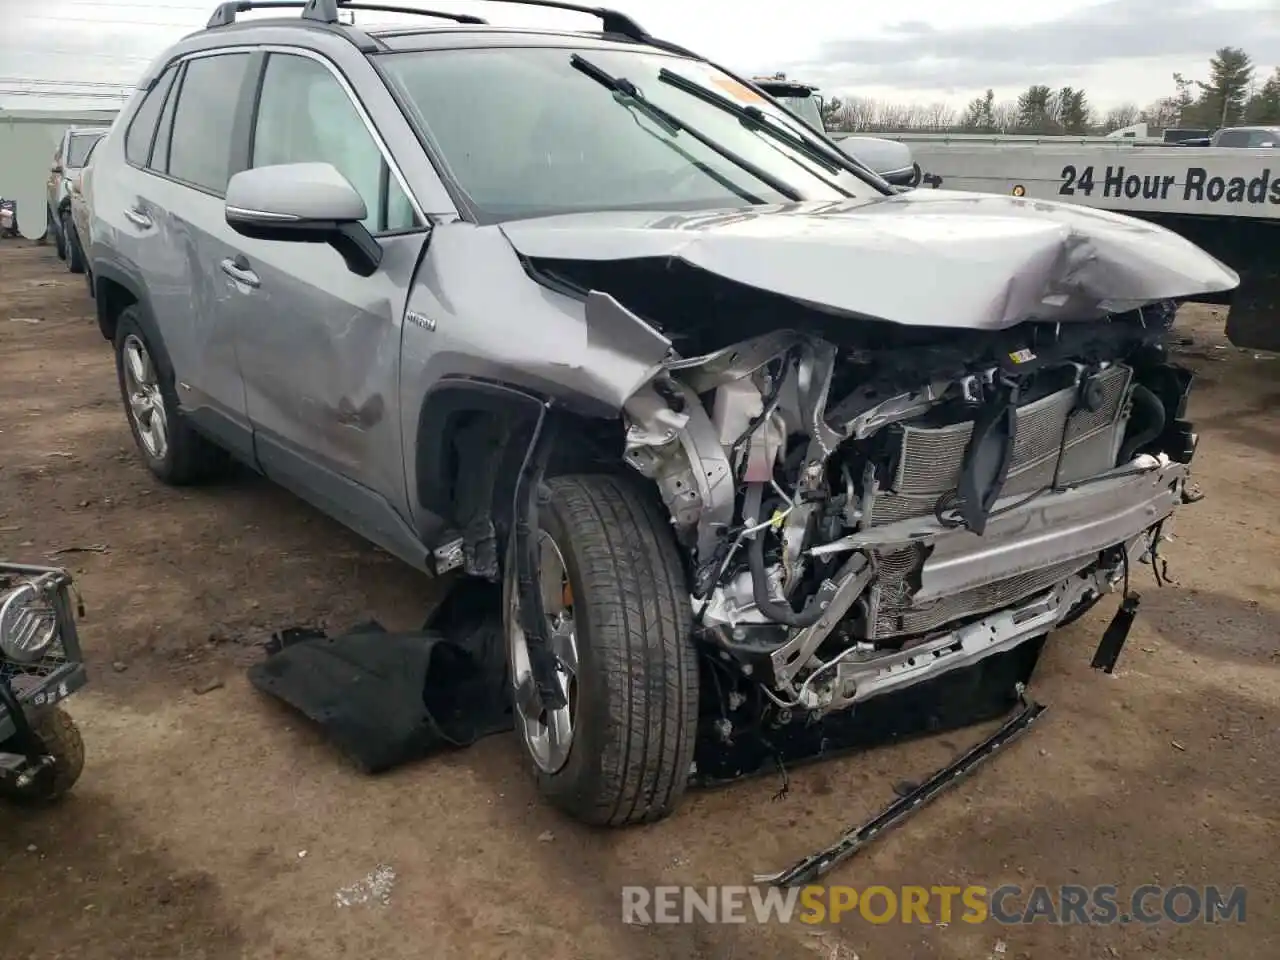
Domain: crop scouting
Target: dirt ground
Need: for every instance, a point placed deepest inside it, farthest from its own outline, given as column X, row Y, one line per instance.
column 220, row 825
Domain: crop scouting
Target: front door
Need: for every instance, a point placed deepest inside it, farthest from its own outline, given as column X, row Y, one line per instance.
column 319, row 346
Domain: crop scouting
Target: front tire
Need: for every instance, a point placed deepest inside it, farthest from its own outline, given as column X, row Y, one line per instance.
column 627, row 658
column 173, row 451
column 59, row 738
column 75, row 257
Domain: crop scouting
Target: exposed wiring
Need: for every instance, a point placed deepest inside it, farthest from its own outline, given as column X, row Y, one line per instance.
column 791, row 504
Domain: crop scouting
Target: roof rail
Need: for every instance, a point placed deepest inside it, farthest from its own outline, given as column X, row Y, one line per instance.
column 323, row 11
column 612, row 21
column 327, row 11
column 225, row 14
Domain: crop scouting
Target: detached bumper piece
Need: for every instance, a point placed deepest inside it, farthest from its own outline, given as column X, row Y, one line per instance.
column 819, row 864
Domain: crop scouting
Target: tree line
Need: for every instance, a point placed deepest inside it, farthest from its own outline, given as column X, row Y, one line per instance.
column 1232, row 95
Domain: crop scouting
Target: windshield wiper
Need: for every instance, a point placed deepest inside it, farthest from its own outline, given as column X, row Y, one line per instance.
column 756, row 118
column 629, row 90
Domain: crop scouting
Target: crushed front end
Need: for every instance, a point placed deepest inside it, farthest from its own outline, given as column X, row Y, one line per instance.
column 870, row 514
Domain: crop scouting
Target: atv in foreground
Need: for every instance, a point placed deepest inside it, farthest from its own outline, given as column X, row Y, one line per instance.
column 41, row 753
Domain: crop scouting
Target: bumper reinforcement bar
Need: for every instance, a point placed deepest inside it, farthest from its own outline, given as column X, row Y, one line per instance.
column 823, row 861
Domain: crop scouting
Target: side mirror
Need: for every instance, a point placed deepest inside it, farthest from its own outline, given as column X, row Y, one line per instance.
column 303, row 203
column 56, row 168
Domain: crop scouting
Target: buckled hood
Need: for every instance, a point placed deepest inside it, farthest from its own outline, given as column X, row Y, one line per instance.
column 927, row 258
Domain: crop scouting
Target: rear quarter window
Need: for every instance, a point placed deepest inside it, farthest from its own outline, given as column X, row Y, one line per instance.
column 142, row 128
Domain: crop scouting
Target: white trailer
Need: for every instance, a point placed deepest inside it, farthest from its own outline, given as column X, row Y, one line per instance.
column 1227, row 201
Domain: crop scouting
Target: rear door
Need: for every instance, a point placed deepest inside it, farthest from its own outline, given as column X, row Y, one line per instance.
column 82, row 196
column 319, row 346
column 179, row 213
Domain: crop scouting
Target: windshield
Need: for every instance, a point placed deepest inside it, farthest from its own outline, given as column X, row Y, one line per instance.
column 526, row 133
column 806, row 108
column 79, row 147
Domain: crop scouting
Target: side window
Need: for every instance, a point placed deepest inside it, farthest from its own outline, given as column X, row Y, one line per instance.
column 1233, row 138
column 1262, row 138
column 305, row 116
column 137, row 140
column 200, row 141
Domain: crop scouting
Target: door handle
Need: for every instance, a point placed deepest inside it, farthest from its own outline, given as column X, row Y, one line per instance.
column 240, row 271
column 137, row 218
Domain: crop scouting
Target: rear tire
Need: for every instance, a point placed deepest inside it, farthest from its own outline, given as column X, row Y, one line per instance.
column 171, row 448
column 60, row 739
column 634, row 697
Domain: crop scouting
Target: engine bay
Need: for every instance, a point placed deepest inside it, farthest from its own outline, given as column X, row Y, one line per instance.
column 860, row 513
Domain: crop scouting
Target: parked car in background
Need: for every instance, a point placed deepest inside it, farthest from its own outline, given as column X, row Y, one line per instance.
column 73, row 150
column 1247, row 137
column 77, row 231
column 889, row 158
column 1240, row 138
column 8, row 218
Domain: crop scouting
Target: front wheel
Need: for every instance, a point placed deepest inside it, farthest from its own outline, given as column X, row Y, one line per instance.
column 51, row 231
column 71, row 243
column 620, row 626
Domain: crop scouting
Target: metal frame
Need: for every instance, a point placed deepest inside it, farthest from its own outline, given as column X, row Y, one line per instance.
column 61, row 682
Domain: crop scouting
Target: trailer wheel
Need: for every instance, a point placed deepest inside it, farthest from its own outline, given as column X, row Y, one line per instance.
column 60, row 738
column 618, row 613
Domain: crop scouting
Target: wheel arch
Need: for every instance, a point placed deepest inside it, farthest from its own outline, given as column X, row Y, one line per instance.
column 472, row 437
column 114, row 291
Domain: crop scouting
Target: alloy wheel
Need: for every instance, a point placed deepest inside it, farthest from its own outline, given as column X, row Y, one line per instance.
column 146, row 403
column 548, row 733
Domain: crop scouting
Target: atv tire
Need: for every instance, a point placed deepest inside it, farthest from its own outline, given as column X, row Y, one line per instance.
column 634, row 705
column 60, row 738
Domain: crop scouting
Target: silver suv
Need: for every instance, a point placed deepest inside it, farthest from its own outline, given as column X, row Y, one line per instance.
column 749, row 437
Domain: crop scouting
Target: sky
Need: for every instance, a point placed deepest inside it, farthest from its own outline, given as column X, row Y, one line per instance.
column 928, row 51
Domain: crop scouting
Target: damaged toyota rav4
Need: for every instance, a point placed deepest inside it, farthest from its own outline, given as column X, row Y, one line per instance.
column 751, row 440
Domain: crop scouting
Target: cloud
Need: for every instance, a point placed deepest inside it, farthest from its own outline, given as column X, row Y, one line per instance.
column 915, row 54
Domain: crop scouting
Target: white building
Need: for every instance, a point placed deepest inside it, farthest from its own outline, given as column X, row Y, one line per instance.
column 28, row 139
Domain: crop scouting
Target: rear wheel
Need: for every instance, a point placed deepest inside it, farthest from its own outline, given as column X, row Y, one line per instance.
column 171, row 447
column 60, row 739
column 619, row 621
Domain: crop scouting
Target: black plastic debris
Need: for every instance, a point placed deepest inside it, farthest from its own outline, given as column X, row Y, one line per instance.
column 388, row 698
